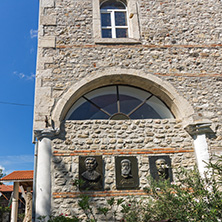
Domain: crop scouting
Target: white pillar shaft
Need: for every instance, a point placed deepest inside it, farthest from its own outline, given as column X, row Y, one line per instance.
column 14, row 211
column 43, row 178
column 201, row 151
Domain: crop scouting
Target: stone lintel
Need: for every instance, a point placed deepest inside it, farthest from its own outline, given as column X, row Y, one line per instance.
column 47, row 20
column 47, row 42
column 47, row 3
column 49, row 133
column 199, row 128
column 117, row 41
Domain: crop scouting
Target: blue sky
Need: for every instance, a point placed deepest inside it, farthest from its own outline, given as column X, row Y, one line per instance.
column 18, row 48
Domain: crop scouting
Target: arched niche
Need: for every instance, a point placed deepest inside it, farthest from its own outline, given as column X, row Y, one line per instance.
column 165, row 91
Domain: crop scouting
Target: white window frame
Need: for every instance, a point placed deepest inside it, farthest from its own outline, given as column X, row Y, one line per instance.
column 132, row 19
column 113, row 26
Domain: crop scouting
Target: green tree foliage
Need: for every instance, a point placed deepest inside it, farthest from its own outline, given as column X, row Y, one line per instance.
column 3, row 209
column 1, row 174
column 191, row 198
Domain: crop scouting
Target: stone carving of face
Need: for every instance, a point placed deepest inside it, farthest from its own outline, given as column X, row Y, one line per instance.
column 161, row 166
column 90, row 163
column 126, row 168
column 91, row 174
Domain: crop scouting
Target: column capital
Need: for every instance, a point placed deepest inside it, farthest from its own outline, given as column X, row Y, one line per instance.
column 198, row 128
column 48, row 133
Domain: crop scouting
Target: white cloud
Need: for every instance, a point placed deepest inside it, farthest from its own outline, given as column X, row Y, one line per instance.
column 13, row 163
column 24, row 76
column 7, row 160
column 2, row 168
column 33, row 33
column 32, row 76
column 32, row 50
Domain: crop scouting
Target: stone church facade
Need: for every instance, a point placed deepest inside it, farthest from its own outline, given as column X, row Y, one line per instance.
column 129, row 50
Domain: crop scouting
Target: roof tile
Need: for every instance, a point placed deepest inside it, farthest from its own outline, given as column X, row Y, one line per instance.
column 19, row 175
column 6, row 188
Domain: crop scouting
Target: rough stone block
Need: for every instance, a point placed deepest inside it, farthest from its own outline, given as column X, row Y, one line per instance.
column 48, row 20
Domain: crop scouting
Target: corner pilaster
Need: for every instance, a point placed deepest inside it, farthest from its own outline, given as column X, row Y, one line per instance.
column 43, row 172
column 199, row 132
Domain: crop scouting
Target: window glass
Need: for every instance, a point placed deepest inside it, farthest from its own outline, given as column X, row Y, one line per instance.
column 106, row 33
column 145, row 112
column 106, row 19
column 157, row 104
column 130, row 98
column 121, row 33
column 119, row 102
column 128, row 103
column 105, row 98
column 106, row 102
column 86, row 110
column 120, row 18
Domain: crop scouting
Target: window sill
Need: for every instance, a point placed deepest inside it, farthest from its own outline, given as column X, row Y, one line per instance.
column 117, row 41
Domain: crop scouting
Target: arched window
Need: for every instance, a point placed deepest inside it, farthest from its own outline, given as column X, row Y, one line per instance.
column 119, row 102
column 114, row 22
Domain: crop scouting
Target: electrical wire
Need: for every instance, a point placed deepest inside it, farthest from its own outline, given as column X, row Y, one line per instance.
column 16, row 104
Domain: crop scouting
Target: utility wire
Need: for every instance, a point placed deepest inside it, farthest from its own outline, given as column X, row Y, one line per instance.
column 16, row 104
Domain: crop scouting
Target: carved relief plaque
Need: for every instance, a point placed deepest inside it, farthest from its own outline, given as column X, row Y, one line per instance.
column 91, row 172
column 126, row 172
column 160, row 167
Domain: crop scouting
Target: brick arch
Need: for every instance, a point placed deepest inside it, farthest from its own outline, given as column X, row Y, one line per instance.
column 165, row 91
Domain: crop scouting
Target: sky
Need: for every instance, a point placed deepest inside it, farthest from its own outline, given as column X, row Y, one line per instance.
column 18, row 49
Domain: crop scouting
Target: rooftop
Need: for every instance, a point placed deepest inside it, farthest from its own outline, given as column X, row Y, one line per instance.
column 6, row 188
column 19, row 176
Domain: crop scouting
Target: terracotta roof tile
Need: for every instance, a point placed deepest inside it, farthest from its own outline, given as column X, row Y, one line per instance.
column 6, row 188
column 19, row 175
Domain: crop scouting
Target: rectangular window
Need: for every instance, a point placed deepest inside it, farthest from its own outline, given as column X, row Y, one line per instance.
column 114, row 19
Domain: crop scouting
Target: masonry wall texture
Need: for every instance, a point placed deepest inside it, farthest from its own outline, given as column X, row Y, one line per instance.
column 180, row 43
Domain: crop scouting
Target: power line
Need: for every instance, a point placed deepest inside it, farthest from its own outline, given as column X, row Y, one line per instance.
column 15, row 104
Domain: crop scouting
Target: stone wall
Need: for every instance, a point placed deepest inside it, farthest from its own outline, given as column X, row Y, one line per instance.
column 181, row 43
column 140, row 138
column 205, row 95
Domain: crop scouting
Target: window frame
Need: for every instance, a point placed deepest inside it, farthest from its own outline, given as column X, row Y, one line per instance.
column 113, row 26
column 133, row 25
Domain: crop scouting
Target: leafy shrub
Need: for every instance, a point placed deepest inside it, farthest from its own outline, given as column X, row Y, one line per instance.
column 192, row 198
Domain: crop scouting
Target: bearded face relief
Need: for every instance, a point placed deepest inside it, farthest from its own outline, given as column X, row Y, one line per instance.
column 126, row 168
column 126, row 172
column 160, row 168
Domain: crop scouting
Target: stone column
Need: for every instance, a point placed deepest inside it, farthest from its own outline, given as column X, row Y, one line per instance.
column 28, row 206
column 199, row 132
column 14, row 211
column 43, row 172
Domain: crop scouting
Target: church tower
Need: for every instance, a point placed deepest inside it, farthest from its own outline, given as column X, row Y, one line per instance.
column 123, row 87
